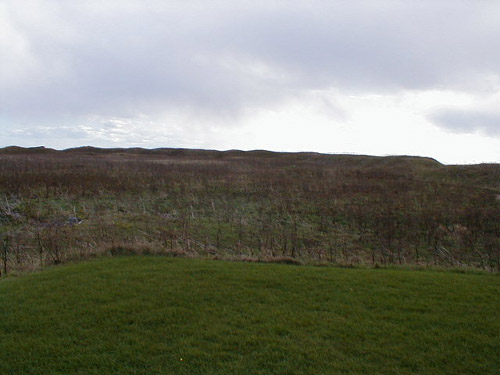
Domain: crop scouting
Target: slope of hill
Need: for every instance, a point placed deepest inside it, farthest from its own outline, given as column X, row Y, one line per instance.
column 260, row 205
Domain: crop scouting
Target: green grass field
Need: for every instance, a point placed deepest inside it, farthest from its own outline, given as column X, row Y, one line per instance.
column 157, row 315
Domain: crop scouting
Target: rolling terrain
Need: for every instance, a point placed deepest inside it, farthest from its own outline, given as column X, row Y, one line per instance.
column 59, row 206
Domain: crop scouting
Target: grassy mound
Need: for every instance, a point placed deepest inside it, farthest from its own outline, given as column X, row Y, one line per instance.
column 61, row 206
column 153, row 315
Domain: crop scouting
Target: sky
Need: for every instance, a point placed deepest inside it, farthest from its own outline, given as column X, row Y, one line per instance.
column 377, row 77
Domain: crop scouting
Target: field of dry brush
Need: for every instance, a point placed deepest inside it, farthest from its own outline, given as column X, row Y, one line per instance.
column 59, row 206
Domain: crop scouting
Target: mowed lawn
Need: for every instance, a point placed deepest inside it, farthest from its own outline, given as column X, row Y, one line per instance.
column 157, row 315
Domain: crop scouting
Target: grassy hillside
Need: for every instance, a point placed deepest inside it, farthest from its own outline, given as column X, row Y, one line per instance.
column 151, row 315
column 298, row 207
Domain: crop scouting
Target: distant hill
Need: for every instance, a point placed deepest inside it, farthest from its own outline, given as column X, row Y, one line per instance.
column 16, row 150
column 482, row 175
column 303, row 206
column 358, row 160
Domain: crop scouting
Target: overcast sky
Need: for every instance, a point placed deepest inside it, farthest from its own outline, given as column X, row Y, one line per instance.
column 376, row 77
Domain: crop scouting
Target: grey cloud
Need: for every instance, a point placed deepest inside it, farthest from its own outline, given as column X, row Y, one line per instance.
column 128, row 57
column 371, row 45
column 468, row 121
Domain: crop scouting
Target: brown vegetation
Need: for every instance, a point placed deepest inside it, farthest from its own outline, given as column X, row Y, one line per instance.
column 302, row 207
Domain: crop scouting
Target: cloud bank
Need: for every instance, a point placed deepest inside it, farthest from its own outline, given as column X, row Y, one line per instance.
column 469, row 121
